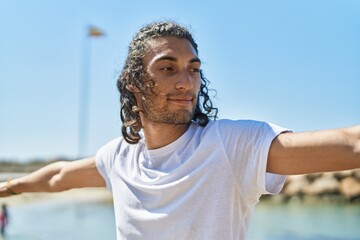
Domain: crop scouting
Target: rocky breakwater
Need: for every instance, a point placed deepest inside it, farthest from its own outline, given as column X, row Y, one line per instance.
column 341, row 186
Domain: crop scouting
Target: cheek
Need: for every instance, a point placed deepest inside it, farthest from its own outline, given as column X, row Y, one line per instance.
column 159, row 91
column 156, row 90
column 197, row 83
column 161, row 85
column 152, row 85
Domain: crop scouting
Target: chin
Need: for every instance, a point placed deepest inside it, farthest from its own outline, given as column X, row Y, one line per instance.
column 178, row 117
column 183, row 117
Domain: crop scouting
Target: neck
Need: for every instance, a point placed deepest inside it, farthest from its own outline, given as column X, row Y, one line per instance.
column 158, row 135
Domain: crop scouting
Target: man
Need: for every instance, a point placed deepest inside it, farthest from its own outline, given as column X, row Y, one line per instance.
column 176, row 173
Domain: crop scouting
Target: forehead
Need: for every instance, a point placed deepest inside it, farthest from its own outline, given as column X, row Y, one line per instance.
column 169, row 46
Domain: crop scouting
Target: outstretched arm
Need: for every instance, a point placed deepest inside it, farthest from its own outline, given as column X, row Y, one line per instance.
column 56, row 177
column 321, row 151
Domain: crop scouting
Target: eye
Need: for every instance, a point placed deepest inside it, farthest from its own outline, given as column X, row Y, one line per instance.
column 195, row 69
column 167, row 69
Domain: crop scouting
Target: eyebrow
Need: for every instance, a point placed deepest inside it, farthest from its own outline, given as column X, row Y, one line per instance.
column 173, row 59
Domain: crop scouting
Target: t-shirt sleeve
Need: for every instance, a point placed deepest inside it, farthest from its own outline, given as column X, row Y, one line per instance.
column 268, row 183
column 105, row 158
column 247, row 145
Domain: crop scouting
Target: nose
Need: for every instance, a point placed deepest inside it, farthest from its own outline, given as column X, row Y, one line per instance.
column 185, row 81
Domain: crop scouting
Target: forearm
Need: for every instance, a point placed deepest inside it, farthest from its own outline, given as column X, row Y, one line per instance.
column 57, row 177
column 354, row 136
column 342, row 149
column 309, row 152
column 333, row 150
column 42, row 180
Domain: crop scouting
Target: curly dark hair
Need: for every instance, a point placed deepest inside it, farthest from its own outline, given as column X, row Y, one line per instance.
column 133, row 73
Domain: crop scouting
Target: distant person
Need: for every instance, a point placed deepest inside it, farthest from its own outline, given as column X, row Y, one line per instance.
column 177, row 172
column 4, row 219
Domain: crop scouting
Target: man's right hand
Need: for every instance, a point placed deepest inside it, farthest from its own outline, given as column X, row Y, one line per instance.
column 6, row 190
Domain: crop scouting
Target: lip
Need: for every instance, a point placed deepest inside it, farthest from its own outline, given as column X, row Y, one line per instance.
column 183, row 100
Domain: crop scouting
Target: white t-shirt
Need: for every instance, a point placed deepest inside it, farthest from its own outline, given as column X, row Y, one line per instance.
column 204, row 185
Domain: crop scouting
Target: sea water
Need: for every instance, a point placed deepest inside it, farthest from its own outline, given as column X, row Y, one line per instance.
column 93, row 221
column 305, row 222
column 61, row 220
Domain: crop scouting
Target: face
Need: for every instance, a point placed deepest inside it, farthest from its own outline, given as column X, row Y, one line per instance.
column 173, row 76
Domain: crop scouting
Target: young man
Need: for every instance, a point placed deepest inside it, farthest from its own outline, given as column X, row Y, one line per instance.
column 176, row 173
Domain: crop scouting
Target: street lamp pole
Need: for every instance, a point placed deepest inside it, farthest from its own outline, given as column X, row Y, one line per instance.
column 85, row 90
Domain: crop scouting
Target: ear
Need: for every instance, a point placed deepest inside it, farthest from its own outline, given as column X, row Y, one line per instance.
column 132, row 88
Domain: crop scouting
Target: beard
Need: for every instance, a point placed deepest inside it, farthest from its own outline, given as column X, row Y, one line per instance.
column 157, row 114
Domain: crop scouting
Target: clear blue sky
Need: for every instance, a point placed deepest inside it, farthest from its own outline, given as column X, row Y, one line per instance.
column 293, row 63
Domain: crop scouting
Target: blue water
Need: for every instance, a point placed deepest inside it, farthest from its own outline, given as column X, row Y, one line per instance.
column 306, row 222
column 76, row 221
column 62, row 220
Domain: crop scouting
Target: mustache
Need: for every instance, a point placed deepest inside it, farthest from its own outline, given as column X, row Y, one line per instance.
column 155, row 90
